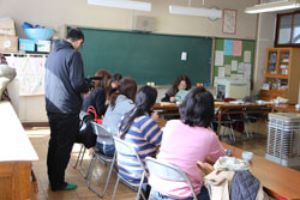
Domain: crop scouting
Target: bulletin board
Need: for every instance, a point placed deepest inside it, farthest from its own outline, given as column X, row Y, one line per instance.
column 234, row 58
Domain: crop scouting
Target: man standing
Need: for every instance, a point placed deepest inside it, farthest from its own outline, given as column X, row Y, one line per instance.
column 64, row 84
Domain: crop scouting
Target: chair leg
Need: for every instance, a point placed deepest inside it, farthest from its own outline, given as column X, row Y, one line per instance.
column 109, row 175
column 139, row 193
column 232, row 133
column 82, row 155
column 115, row 188
column 90, row 170
column 78, row 157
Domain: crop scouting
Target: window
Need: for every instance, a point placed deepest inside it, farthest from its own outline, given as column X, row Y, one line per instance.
column 296, row 25
column 288, row 29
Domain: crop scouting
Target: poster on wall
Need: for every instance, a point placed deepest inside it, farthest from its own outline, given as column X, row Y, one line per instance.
column 229, row 21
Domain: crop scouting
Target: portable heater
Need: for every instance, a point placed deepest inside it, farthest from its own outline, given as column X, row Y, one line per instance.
column 283, row 144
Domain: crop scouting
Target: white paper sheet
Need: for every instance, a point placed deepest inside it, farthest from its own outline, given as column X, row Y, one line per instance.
column 234, row 65
column 227, row 70
column 247, row 71
column 219, row 58
column 247, row 56
column 241, row 68
column 221, row 72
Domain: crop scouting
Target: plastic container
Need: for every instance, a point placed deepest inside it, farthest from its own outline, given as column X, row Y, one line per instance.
column 26, row 45
column 39, row 33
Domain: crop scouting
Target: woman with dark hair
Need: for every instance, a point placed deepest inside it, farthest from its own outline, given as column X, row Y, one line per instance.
column 121, row 102
column 187, row 141
column 98, row 96
column 114, row 83
column 141, row 132
column 182, row 83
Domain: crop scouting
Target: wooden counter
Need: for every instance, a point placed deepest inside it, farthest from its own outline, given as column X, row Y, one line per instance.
column 16, row 155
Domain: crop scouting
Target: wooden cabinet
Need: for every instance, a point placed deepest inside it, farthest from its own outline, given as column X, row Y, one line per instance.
column 15, row 180
column 16, row 156
column 282, row 74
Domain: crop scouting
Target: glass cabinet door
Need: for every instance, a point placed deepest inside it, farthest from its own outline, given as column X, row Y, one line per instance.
column 272, row 62
column 284, row 59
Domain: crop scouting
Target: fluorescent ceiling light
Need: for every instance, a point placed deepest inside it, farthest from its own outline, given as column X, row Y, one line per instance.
column 273, row 6
column 192, row 11
column 125, row 4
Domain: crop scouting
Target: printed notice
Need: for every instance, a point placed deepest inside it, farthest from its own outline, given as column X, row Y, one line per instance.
column 219, row 58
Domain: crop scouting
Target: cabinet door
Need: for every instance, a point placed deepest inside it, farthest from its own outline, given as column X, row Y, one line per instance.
column 272, row 62
column 284, row 62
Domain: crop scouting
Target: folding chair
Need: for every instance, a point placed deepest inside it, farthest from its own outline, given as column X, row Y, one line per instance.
column 167, row 172
column 124, row 148
column 101, row 132
column 230, row 116
column 254, row 114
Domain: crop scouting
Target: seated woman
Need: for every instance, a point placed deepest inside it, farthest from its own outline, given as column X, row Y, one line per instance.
column 187, row 141
column 114, row 83
column 141, row 132
column 97, row 97
column 121, row 102
column 182, row 82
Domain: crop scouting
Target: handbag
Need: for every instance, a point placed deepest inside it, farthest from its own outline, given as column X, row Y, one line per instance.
column 86, row 135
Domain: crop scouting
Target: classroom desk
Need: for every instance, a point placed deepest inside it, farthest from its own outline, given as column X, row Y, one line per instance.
column 16, row 155
column 285, row 108
column 280, row 182
column 222, row 108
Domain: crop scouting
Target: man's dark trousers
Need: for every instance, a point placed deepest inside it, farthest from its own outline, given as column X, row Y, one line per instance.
column 63, row 129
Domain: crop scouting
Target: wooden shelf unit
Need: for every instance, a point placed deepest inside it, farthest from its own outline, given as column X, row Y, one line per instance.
column 282, row 72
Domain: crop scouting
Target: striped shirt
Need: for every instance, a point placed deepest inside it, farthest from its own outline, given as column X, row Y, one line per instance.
column 145, row 136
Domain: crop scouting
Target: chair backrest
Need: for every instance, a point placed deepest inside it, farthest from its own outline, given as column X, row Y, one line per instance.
column 100, row 131
column 125, row 148
column 167, row 172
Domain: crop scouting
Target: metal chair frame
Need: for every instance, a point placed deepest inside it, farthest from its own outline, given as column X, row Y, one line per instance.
column 167, row 172
column 107, row 161
column 122, row 146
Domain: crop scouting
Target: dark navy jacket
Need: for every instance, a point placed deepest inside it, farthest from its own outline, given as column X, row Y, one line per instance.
column 64, row 79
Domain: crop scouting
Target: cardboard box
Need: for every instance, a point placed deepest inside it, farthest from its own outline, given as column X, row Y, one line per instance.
column 8, row 44
column 26, row 45
column 43, row 46
column 7, row 26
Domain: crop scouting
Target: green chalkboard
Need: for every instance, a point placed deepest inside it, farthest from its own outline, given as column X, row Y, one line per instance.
column 147, row 57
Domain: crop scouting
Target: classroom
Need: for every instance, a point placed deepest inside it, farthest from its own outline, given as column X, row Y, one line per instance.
column 150, row 99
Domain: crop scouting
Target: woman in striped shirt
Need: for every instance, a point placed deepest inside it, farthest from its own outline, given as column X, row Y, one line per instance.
column 141, row 132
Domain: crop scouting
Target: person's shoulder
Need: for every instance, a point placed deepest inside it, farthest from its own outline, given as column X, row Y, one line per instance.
column 143, row 119
column 174, row 123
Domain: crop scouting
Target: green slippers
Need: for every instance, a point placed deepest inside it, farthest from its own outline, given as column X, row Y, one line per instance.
column 67, row 187
column 70, row 186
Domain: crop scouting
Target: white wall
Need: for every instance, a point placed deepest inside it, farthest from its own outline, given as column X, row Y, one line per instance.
column 56, row 13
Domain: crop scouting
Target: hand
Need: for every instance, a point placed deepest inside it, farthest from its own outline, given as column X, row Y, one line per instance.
column 206, row 168
column 172, row 99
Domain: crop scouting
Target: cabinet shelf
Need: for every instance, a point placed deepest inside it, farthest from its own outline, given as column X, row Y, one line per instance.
column 276, row 76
